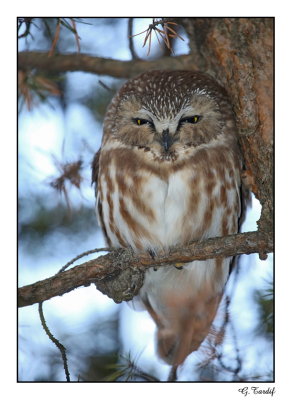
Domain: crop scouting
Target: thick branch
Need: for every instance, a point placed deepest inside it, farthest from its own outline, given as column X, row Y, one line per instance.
column 97, row 65
column 119, row 260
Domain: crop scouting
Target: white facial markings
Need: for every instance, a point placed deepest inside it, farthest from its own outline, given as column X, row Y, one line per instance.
column 166, row 123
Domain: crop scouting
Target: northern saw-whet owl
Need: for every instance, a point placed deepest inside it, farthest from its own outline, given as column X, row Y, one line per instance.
column 168, row 173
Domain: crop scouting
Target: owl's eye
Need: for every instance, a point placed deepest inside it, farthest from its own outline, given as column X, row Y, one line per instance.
column 141, row 121
column 191, row 120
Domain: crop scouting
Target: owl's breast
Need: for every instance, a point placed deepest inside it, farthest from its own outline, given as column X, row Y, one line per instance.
column 147, row 209
column 140, row 210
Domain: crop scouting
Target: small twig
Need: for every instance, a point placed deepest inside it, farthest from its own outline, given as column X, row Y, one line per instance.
column 136, row 371
column 166, row 32
column 236, row 370
column 42, row 318
column 172, row 377
column 28, row 22
column 70, row 172
column 174, row 33
column 56, row 38
column 157, row 37
column 86, row 253
column 105, row 86
column 55, row 341
column 130, row 36
column 77, row 38
column 166, row 38
column 227, row 321
column 149, row 46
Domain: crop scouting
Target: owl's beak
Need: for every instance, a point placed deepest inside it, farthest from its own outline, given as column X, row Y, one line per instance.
column 167, row 140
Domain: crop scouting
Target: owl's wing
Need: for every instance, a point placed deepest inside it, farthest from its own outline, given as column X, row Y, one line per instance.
column 94, row 180
column 245, row 201
column 95, row 170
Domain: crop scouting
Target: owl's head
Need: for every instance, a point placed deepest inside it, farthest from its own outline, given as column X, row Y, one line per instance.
column 169, row 113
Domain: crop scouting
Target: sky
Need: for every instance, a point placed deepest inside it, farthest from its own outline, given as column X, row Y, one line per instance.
column 46, row 134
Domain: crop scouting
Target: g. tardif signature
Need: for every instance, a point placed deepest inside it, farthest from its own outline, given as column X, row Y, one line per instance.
column 257, row 390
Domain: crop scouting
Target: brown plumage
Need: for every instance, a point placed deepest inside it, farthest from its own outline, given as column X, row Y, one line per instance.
column 167, row 173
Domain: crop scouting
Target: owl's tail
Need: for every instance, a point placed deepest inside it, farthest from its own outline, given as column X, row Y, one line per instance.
column 175, row 341
column 183, row 304
column 174, row 348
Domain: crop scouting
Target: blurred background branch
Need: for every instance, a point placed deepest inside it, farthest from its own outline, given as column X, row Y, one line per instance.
column 98, row 65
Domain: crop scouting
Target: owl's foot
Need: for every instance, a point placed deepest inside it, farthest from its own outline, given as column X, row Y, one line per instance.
column 178, row 266
column 152, row 254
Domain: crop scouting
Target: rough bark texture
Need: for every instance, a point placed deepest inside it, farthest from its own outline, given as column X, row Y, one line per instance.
column 238, row 53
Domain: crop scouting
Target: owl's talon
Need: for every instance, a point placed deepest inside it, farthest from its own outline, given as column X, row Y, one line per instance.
column 152, row 254
column 179, row 265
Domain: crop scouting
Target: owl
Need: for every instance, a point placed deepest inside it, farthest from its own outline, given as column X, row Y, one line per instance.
column 168, row 173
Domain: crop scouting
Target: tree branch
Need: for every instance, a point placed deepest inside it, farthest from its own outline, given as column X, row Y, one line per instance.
column 111, row 265
column 103, row 66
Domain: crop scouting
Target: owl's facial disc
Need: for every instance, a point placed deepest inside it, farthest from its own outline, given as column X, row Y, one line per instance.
column 170, row 133
column 164, row 136
column 162, row 132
